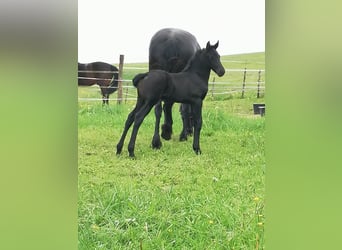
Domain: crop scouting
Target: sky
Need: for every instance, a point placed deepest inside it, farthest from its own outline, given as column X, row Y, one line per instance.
column 108, row 28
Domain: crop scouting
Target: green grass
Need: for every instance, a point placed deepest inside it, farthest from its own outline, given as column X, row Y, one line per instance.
column 172, row 198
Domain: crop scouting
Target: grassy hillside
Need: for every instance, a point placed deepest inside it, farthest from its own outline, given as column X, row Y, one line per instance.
column 238, row 61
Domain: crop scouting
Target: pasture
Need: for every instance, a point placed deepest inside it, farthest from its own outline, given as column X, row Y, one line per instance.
column 172, row 198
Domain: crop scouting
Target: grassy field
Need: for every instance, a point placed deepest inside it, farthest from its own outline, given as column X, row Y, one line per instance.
column 172, row 198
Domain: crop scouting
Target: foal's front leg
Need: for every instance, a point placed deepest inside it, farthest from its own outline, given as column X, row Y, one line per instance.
column 197, row 114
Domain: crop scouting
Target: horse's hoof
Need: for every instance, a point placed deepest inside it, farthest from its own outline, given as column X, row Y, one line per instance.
column 183, row 137
column 156, row 143
column 166, row 132
column 166, row 136
column 188, row 131
column 118, row 150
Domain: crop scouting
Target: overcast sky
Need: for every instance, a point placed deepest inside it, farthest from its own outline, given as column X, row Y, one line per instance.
column 108, row 28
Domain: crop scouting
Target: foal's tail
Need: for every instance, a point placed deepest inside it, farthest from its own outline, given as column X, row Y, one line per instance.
column 138, row 78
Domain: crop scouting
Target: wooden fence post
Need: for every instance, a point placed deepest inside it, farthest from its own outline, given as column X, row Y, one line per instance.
column 259, row 76
column 121, row 62
column 244, row 83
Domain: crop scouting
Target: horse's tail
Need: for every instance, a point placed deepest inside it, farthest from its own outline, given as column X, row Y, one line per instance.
column 138, row 78
column 113, row 86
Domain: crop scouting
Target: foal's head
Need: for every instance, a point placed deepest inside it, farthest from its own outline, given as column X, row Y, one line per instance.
column 214, row 59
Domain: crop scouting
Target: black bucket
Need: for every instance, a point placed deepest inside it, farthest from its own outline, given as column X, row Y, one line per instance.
column 259, row 109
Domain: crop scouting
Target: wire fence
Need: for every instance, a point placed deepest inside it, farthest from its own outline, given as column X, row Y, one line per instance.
column 236, row 82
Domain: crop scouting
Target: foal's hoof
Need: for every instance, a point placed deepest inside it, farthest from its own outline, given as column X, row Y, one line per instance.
column 118, row 150
column 166, row 132
column 198, row 151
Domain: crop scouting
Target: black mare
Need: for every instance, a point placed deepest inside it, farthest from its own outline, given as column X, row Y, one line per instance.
column 189, row 86
column 103, row 74
column 170, row 50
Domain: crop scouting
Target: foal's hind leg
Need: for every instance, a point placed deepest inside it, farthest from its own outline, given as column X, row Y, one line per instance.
column 128, row 124
column 139, row 117
column 156, row 143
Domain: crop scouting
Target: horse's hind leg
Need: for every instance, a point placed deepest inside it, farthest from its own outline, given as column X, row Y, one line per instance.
column 139, row 117
column 186, row 113
column 128, row 124
column 167, row 126
column 156, row 143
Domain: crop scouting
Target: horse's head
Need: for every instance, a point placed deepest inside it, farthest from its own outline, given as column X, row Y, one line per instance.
column 214, row 59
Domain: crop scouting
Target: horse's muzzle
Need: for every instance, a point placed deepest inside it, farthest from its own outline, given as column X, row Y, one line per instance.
column 221, row 72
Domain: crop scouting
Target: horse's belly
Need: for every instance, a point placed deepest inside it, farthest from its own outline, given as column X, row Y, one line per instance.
column 86, row 82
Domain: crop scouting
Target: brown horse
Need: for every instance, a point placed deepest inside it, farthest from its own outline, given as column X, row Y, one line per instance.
column 103, row 74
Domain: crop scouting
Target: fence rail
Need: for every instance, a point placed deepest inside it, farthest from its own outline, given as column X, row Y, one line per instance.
column 240, row 81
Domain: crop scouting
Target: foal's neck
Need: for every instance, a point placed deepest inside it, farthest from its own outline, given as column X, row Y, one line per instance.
column 200, row 68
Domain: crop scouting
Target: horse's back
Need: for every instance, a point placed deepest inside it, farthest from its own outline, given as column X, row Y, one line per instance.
column 101, row 68
column 100, row 73
column 170, row 49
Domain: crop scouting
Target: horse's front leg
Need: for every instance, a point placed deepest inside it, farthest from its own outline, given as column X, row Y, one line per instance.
column 156, row 143
column 107, row 99
column 197, row 115
column 104, row 96
column 167, row 126
column 185, row 110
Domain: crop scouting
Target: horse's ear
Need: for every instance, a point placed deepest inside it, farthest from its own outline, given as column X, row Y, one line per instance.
column 216, row 45
column 208, row 45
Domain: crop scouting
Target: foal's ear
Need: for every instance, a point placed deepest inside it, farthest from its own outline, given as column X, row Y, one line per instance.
column 212, row 46
column 216, row 45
